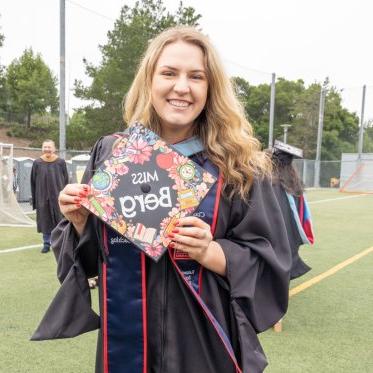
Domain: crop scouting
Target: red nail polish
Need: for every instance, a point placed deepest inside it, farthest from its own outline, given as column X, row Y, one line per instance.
column 171, row 244
column 171, row 235
column 175, row 231
column 177, row 224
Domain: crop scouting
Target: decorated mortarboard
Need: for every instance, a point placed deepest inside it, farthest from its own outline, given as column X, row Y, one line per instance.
column 289, row 149
column 145, row 187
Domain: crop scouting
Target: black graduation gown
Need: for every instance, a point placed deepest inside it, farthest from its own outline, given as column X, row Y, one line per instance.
column 47, row 180
column 250, row 299
column 298, row 266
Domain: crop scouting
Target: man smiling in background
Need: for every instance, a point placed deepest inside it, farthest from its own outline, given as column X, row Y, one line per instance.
column 48, row 177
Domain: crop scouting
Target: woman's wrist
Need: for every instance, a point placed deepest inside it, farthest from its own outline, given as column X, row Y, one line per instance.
column 214, row 259
column 79, row 227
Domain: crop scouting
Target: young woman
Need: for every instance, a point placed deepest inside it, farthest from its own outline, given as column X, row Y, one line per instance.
column 194, row 315
column 289, row 190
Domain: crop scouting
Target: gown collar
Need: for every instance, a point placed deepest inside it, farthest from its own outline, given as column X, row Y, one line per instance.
column 189, row 147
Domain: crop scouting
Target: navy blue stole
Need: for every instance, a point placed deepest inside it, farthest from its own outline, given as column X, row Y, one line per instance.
column 123, row 313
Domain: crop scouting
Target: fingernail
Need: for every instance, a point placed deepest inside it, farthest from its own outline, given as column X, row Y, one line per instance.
column 175, row 231
column 171, row 244
column 171, row 235
column 83, row 194
column 177, row 223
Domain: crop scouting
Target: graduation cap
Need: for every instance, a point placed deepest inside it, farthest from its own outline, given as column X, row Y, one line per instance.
column 145, row 187
column 280, row 146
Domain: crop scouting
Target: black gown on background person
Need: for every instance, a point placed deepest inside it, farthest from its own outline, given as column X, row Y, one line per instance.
column 298, row 267
column 289, row 190
column 47, row 180
column 180, row 339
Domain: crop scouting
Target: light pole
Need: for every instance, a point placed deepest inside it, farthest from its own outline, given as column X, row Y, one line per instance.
column 319, row 137
column 272, row 111
column 361, row 127
column 62, row 119
column 285, row 127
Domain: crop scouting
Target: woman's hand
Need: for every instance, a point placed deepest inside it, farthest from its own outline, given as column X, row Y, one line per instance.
column 69, row 201
column 193, row 236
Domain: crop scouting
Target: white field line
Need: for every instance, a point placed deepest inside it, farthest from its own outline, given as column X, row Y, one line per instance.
column 20, row 248
column 336, row 199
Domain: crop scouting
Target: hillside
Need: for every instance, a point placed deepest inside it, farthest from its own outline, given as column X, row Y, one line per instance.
column 18, row 143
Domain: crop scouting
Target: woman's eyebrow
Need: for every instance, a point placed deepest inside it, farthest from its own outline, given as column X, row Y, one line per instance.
column 176, row 69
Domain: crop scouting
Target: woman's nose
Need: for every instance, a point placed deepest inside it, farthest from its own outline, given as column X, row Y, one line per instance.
column 182, row 85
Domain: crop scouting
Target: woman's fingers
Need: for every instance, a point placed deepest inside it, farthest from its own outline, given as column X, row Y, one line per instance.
column 196, row 232
column 192, row 221
column 70, row 199
column 72, row 192
column 75, row 190
column 191, row 234
column 67, row 209
column 185, row 240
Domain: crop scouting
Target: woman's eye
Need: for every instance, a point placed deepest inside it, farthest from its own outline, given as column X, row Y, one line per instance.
column 168, row 73
column 197, row 77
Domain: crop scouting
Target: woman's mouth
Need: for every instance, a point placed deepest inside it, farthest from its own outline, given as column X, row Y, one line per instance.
column 179, row 103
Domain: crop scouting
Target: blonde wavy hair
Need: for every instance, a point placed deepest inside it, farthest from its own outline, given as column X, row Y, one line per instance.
column 222, row 127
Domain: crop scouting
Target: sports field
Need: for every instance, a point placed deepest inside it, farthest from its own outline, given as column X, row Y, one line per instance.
column 328, row 327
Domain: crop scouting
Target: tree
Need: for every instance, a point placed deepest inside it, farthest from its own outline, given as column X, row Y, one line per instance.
column 120, row 57
column 255, row 100
column 298, row 105
column 31, row 86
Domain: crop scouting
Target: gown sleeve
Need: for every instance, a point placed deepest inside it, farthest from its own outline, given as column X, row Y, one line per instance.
column 70, row 312
column 65, row 173
column 33, row 186
column 258, row 256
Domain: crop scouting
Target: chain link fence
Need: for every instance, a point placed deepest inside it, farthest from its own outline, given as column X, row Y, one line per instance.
column 333, row 174
column 350, row 171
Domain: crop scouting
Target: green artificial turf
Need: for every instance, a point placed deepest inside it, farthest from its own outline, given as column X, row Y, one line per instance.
column 328, row 327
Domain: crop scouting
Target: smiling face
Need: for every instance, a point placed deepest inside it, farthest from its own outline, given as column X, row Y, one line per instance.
column 48, row 148
column 179, row 87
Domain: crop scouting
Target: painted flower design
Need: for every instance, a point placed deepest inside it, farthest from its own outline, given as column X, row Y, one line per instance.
column 154, row 251
column 119, row 168
column 173, row 171
column 174, row 211
column 119, row 149
column 201, row 190
column 139, row 151
column 114, row 183
column 164, row 223
column 130, row 230
column 162, row 146
column 107, row 203
column 207, row 178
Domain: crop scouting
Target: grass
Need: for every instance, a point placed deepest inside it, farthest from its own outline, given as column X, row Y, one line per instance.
column 327, row 328
column 28, row 284
column 16, row 237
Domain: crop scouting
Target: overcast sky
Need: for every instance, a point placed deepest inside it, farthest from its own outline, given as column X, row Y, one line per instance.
column 293, row 38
